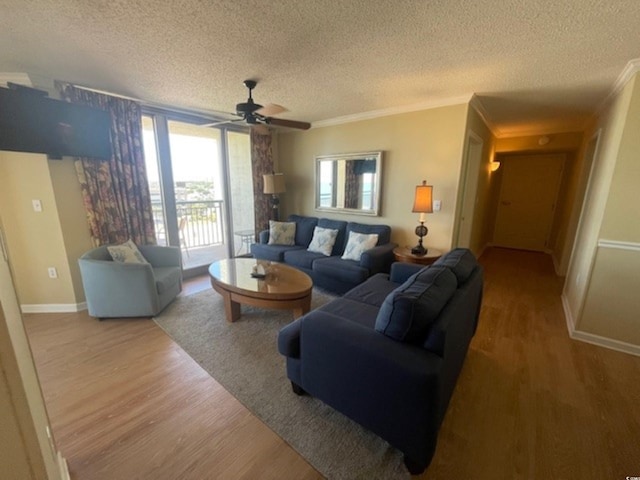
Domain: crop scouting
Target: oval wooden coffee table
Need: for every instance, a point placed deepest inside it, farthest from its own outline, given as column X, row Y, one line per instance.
column 283, row 287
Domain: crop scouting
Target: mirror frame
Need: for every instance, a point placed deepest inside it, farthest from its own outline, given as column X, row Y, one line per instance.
column 377, row 184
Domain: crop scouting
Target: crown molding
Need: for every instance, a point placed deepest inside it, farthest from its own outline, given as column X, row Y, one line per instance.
column 630, row 69
column 480, row 109
column 15, row 77
column 385, row 112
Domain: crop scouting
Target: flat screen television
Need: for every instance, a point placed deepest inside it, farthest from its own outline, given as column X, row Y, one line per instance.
column 30, row 122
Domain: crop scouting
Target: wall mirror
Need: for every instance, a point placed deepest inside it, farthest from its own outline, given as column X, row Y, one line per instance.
column 349, row 183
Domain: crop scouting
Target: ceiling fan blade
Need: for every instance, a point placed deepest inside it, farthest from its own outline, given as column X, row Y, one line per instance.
column 282, row 122
column 270, row 110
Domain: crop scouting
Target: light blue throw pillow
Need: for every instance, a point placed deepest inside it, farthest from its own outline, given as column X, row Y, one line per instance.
column 359, row 243
column 126, row 252
column 282, row 233
column 323, row 240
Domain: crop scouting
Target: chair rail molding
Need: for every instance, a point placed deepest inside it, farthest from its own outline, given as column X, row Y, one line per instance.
column 633, row 246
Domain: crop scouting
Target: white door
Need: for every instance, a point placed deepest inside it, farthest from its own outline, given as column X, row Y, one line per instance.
column 527, row 200
column 471, row 171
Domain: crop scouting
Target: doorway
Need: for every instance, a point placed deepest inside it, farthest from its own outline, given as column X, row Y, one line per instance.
column 469, row 188
column 201, row 188
column 527, row 201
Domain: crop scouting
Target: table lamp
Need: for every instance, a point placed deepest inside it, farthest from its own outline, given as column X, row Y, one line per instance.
column 422, row 203
column 273, row 185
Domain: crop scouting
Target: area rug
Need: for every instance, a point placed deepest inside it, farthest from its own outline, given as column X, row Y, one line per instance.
column 243, row 357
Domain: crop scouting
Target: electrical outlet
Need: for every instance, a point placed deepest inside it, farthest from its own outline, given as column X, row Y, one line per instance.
column 53, row 273
column 437, row 205
column 37, row 205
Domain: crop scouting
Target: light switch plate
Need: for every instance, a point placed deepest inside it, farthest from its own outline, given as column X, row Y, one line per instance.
column 37, row 206
column 437, row 205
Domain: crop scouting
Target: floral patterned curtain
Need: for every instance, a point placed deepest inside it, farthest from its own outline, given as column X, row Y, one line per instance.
column 352, row 185
column 115, row 192
column 261, row 164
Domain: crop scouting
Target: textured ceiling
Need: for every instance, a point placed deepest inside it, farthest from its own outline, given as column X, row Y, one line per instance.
column 534, row 64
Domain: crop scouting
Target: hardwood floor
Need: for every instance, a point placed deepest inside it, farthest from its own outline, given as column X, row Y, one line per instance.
column 127, row 402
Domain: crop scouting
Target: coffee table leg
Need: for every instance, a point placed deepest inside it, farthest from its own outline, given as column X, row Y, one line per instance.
column 231, row 308
column 304, row 307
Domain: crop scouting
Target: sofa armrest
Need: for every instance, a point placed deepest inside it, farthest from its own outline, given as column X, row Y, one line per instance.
column 289, row 339
column 263, row 237
column 161, row 256
column 378, row 259
column 401, row 271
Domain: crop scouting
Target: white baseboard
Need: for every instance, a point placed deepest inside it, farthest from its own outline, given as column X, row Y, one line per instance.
column 594, row 339
column 63, row 467
column 53, row 307
column 556, row 265
column 568, row 316
column 606, row 342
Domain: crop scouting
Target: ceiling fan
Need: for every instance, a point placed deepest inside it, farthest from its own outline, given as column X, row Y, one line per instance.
column 258, row 116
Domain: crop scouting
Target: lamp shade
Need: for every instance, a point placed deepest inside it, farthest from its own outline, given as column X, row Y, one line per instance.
column 423, row 201
column 274, row 183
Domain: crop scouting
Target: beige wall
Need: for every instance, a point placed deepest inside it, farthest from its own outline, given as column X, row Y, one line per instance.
column 558, row 142
column 37, row 241
column 425, row 145
column 612, row 304
column 600, row 293
column 73, row 218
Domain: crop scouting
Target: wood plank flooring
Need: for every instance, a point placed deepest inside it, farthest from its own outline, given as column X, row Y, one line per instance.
column 126, row 402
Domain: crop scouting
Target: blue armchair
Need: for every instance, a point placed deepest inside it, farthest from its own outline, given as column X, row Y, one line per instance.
column 115, row 289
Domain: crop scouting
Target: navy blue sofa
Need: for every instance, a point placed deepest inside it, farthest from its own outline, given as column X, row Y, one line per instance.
column 331, row 273
column 388, row 353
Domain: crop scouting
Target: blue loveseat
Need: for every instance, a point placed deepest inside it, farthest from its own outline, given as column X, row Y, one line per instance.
column 388, row 353
column 330, row 272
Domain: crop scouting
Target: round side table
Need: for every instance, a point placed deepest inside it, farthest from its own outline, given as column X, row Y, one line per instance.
column 403, row 254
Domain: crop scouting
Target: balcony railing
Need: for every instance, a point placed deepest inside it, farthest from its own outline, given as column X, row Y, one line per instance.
column 200, row 223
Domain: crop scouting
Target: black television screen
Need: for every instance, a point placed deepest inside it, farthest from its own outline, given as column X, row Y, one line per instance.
column 34, row 123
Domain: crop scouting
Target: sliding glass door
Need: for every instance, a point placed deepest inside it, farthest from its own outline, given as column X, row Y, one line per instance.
column 201, row 189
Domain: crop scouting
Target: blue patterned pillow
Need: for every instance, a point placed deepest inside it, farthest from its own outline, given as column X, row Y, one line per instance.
column 282, row 233
column 126, row 253
column 359, row 243
column 323, row 240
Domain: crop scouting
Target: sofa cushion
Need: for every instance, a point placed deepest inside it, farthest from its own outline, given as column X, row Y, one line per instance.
column 359, row 243
column 282, row 233
column 345, row 270
column 304, row 228
column 408, row 311
column 352, row 311
column 461, row 262
column 373, row 291
column 301, row 258
column 275, row 253
column 323, row 240
column 339, row 225
column 166, row 277
column 383, row 231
